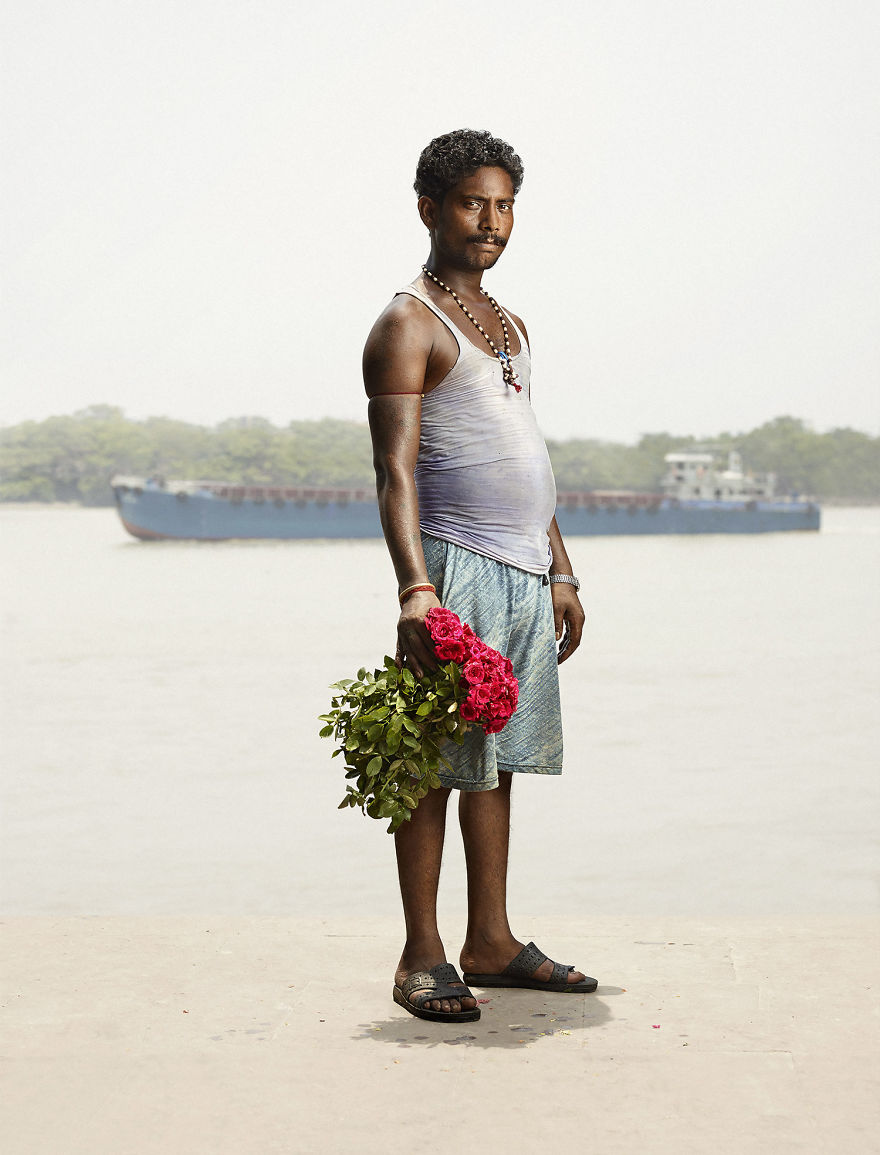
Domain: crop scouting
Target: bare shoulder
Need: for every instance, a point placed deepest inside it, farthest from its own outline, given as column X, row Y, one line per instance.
column 397, row 349
column 404, row 320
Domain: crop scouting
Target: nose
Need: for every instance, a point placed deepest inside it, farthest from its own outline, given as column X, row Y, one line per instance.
column 490, row 221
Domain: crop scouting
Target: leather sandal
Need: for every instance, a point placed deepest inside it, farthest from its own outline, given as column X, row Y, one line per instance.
column 424, row 986
column 519, row 972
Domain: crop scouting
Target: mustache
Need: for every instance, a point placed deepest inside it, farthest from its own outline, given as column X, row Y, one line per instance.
column 487, row 239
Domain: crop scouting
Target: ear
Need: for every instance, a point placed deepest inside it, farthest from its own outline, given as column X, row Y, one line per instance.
column 429, row 210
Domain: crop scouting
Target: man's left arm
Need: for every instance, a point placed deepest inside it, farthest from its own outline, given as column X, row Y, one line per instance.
column 568, row 614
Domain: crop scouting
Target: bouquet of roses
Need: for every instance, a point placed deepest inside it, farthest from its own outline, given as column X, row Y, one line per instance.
column 390, row 727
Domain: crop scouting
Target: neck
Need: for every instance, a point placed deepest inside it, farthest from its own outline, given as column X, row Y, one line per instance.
column 466, row 282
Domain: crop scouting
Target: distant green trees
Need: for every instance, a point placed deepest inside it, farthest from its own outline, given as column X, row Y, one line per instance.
column 72, row 458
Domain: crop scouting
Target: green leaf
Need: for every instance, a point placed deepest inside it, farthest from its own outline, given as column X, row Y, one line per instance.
column 326, row 731
column 425, row 709
column 374, row 766
column 407, row 678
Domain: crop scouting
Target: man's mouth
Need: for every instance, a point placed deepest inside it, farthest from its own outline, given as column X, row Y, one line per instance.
column 496, row 241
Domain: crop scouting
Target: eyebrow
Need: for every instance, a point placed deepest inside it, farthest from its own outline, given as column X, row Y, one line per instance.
column 477, row 197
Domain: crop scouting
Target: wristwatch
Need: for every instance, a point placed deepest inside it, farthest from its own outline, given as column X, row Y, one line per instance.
column 569, row 579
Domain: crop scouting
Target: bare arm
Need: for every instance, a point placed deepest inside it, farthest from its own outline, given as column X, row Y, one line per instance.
column 395, row 363
column 568, row 614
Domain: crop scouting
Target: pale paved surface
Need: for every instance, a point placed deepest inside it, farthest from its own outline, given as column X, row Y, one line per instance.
column 222, row 1036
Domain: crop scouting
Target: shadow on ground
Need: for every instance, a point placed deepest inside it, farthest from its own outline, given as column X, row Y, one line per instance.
column 510, row 1019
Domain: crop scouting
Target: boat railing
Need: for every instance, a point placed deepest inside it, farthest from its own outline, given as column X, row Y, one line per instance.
column 608, row 499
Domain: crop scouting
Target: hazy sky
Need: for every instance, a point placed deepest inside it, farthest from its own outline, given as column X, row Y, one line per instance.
column 210, row 202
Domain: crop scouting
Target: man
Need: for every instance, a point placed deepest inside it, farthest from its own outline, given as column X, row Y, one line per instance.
column 467, row 501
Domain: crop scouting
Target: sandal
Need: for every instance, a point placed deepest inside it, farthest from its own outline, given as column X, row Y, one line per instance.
column 519, row 974
column 434, row 984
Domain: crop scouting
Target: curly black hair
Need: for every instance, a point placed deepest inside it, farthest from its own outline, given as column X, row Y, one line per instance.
column 455, row 155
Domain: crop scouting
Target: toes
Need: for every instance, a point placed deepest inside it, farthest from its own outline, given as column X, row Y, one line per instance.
column 468, row 1004
column 575, row 977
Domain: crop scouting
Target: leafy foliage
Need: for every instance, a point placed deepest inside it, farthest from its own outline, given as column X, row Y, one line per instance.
column 72, row 458
column 390, row 726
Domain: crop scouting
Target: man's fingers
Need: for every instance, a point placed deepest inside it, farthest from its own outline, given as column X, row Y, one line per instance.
column 417, row 652
column 558, row 617
column 574, row 628
column 572, row 641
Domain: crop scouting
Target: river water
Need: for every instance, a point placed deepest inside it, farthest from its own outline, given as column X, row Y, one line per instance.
column 160, row 748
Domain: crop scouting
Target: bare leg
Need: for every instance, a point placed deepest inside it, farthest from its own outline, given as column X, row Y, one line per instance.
column 419, row 846
column 485, row 826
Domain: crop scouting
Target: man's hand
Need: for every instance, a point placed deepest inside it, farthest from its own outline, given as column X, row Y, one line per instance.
column 414, row 645
column 568, row 617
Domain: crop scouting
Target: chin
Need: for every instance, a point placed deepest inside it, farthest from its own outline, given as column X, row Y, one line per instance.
column 483, row 260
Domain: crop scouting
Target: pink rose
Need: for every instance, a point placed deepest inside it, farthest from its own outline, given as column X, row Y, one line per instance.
column 477, row 647
column 450, row 650
column 469, row 712
column 480, row 695
column 443, row 625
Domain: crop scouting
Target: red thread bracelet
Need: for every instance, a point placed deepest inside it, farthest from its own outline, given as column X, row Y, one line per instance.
column 416, row 589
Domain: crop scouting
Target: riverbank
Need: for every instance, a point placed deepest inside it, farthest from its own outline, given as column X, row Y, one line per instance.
column 171, row 1036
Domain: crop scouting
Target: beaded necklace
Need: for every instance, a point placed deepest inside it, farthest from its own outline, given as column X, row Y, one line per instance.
column 503, row 355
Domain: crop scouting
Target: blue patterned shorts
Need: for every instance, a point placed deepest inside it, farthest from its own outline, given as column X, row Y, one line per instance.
column 512, row 611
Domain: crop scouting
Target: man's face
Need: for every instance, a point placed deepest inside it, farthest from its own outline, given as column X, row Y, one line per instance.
column 472, row 225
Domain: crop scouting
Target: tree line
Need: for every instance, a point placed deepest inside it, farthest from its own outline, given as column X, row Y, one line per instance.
column 72, row 458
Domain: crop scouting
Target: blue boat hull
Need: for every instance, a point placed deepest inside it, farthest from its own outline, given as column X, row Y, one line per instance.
column 689, row 517
column 158, row 513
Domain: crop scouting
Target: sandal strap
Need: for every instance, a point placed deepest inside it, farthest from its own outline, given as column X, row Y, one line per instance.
column 560, row 974
column 527, row 962
column 434, row 984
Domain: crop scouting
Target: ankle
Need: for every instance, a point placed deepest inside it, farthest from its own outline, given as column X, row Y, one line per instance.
column 422, row 947
column 487, row 937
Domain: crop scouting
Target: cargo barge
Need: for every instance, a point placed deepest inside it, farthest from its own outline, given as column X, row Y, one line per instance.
column 696, row 497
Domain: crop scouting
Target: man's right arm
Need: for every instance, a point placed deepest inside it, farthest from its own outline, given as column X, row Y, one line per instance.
column 395, row 362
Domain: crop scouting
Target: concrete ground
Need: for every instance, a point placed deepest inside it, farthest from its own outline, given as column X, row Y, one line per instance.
column 134, row 1036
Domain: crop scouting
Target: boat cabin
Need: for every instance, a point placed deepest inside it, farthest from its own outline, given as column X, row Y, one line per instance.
column 697, row 477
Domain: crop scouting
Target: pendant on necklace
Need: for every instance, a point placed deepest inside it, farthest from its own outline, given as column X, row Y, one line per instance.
column 508, row 370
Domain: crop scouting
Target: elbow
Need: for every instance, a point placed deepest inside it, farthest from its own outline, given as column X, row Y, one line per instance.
column 391, row 472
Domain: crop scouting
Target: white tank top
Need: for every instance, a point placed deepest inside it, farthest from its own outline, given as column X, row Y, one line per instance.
column 483, row 474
